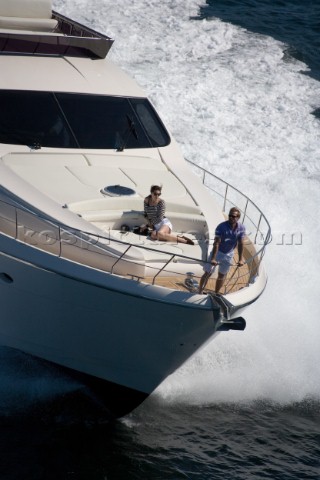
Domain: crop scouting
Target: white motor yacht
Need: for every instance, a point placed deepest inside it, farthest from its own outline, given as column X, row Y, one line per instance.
column 80, row 146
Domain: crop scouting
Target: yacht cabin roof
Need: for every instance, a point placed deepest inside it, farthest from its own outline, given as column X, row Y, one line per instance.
column 42, row 50
column 67, row 74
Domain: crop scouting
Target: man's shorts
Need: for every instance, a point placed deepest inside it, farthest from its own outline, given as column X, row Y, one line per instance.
column 224, row 260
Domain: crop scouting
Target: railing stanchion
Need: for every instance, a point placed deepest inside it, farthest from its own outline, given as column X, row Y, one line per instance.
column 225, row 198
column 121, row 256
column 16, row 218
column 245, row 210
column 60, row 241
column 161, row 269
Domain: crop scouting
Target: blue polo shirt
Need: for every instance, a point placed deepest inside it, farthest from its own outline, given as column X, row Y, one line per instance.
column 229, row 237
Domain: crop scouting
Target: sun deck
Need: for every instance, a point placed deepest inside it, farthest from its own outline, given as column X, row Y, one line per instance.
column 125, row 253
column 89, row 231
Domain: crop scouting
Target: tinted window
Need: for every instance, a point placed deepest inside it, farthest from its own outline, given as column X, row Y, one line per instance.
column 150, row 121
column 31, row 118
column 76, row 120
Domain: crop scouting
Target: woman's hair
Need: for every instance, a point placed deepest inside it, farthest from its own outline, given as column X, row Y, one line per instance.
column 154, row 188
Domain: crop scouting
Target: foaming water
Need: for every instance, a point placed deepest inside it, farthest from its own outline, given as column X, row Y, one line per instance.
column 240, row 107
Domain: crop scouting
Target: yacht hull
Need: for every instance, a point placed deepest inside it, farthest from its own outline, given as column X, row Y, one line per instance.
column 122, row 343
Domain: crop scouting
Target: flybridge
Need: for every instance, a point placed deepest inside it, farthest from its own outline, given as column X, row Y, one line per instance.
column 69, row 38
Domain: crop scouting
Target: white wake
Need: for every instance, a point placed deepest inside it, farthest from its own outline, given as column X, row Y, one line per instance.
column 239, row 108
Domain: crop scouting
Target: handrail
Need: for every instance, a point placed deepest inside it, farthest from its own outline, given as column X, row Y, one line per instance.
column 80, row 235
column 84, row 240
column 226, row 202
column 266, row 235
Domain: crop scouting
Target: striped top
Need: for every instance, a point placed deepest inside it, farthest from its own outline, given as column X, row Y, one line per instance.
column 154, row 213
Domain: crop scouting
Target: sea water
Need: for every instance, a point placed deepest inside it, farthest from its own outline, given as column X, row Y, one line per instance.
column 237, row 83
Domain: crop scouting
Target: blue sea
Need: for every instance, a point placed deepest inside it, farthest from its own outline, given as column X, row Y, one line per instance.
column 238, row 84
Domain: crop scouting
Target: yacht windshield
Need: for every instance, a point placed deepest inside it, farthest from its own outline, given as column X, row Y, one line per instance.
column 70, row 120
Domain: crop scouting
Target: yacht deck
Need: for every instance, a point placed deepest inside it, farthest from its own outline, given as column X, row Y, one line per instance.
column 236, row 279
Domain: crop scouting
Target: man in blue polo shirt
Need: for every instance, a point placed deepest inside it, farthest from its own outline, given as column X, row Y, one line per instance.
column 228, row 236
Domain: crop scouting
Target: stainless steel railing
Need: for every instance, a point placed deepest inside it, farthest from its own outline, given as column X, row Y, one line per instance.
column 106, row 253
column 257, row 226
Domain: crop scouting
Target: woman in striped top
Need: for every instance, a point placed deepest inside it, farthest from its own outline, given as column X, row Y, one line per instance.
column 154, row 211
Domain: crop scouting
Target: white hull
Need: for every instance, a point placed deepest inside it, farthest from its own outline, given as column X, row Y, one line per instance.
column 131, row 338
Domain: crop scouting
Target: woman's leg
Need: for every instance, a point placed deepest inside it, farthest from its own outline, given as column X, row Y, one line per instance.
column 164, row 234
